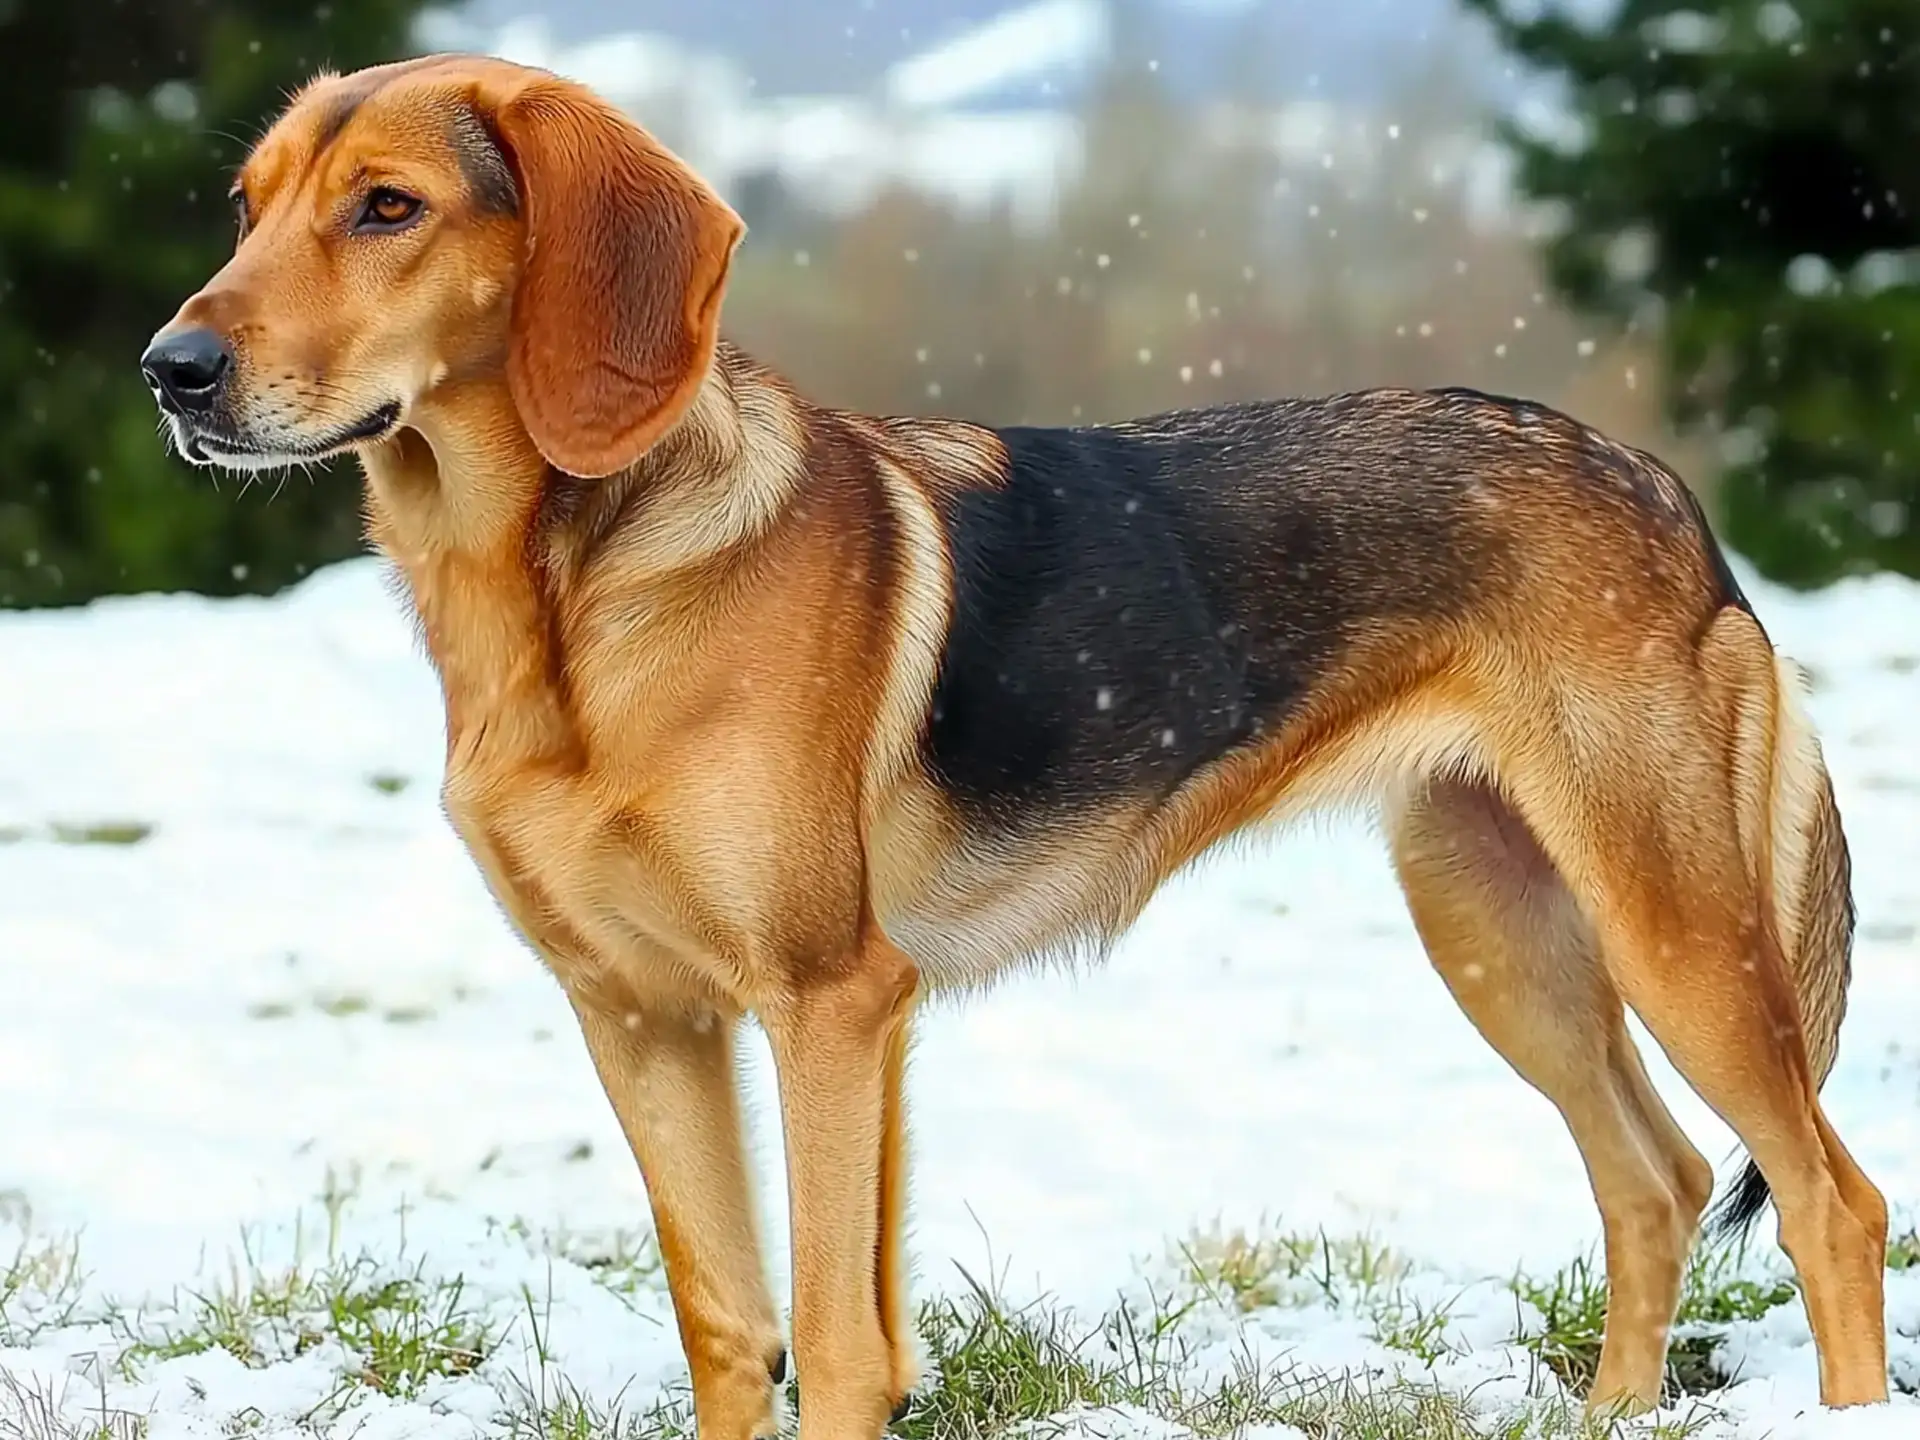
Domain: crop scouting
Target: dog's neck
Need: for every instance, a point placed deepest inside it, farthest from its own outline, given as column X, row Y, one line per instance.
column 450, row 502
column 491, row 539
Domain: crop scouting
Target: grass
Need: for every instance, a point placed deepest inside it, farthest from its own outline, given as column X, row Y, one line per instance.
column 569, row 1415
column 1189, row 1348
column 1348, row 1274
column 542, row 1406
column 41, row 1284
column 1712, row 1296
column 41, row 1292
column 390, row 1331
column 1271, row 1267
column 999, row 1370
column 31, row 1411
column 1903, row 1251
column 625, row 1263
column 99, row 832
column 398, row 1331
column 342, row 1006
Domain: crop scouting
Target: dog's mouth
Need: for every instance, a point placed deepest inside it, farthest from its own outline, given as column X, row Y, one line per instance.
column 207, row 443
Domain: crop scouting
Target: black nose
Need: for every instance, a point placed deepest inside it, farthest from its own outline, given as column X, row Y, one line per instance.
column 185, row 370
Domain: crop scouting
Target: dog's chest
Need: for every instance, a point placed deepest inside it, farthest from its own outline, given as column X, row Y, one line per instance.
column 576, row 878
column 526, row 835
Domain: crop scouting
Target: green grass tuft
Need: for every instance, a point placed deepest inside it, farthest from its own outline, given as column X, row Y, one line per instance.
column 30, row 1412
column 993, row 1367
column 105, row 832
column 1712, row 1296
column 1352, row 1274
column 401, row 1331
column 40, row 1282
column 1027, row 1371
column 1903, row 1250
column 1275, row 1268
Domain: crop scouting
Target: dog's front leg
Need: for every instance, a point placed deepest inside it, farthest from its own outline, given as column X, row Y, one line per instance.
column 839, row 1038
column 670, row 1076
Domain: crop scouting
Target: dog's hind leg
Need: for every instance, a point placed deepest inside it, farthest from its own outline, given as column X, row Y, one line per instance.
column 1695, row 822
column 1521, row 958
column 1704, row 836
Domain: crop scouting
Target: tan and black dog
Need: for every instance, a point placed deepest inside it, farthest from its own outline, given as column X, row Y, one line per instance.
column 758, row 707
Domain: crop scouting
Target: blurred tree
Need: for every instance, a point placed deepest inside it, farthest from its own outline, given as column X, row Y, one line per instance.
column 1747, row 174
column 1185, row 258
column 119, row 123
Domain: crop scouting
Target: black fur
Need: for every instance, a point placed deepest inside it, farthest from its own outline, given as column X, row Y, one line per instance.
column 483, row 164
column 1723, row 572
column 1734, row 1213
column 341, row 109
column 1136, row 600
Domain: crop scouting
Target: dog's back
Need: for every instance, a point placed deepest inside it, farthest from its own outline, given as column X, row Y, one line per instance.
column 1131, row 602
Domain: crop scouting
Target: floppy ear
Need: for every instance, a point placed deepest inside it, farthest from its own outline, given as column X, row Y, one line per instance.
column 625, row 254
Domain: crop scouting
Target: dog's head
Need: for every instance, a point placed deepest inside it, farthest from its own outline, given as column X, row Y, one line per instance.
column 424, row 224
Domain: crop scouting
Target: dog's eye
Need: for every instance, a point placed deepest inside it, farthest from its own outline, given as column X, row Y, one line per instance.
column 385, row 209
column 237, row 198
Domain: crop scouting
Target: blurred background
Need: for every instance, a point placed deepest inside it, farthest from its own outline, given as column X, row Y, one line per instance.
column 1696, row 225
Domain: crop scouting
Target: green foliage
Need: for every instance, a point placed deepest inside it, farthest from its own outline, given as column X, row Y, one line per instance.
column 1763, row 159
column 119, row 124
column 400, row 1332
column 1713, row 1295
column 1903, row 1250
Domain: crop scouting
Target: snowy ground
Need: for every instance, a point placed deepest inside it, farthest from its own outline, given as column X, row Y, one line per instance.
column 293, row 983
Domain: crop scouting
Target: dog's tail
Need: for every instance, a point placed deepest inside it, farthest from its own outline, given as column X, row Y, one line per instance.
column 1805, row 876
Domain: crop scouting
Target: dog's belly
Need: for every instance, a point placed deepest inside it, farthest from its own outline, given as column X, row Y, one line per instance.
column 968, row 904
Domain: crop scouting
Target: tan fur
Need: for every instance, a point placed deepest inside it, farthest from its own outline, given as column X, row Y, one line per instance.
column 921, row 614
column 1518, row 953
column 687, row 658
column 1799, row 829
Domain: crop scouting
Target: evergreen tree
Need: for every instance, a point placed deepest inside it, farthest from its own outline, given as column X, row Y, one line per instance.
column 120, row 123
column 1745, row 174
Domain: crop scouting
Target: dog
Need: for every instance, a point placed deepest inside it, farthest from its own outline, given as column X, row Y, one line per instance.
column 757, row 707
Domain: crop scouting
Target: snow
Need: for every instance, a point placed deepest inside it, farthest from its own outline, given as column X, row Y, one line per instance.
column 296, row 983
column 1018, row 45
